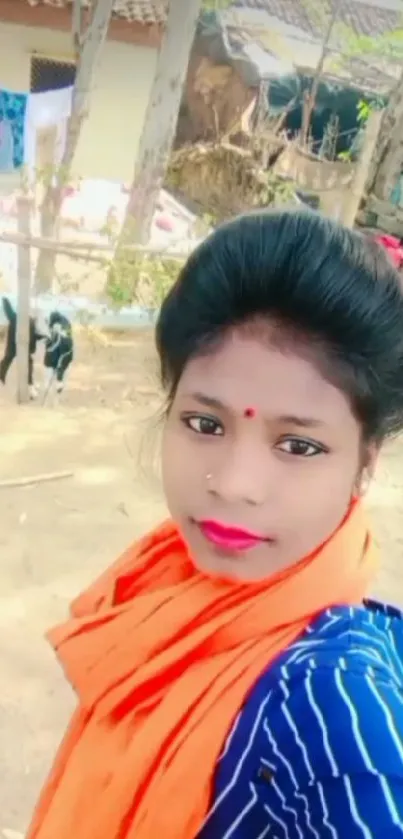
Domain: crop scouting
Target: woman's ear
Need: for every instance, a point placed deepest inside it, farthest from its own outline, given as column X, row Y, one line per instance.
column 368, row 466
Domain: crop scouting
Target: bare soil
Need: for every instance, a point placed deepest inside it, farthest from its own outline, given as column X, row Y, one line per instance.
column 56, row 537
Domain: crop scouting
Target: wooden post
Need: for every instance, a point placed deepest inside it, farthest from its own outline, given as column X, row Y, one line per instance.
column 23, row 299
column 76, row 27
column 357, row 187
column 388, row 157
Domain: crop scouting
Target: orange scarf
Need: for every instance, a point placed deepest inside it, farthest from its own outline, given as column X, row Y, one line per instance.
column 162, row 659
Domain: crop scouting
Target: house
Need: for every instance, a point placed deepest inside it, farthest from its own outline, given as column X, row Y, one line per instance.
column 36, row 54
column 294, row 30
column 276, row 42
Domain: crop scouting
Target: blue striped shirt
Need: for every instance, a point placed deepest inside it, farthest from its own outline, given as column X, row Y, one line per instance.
column 317, row 750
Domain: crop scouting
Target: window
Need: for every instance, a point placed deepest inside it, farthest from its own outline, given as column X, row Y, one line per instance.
column 50, row 74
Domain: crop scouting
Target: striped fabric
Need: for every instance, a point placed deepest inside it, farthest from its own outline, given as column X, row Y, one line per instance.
column 317, row 751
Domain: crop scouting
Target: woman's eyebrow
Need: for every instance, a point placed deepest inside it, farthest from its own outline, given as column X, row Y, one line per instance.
column 302, row 422
column 209, row 401
column 284, row 419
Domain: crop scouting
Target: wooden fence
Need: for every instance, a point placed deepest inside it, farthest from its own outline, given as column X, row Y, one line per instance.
column 90, row 251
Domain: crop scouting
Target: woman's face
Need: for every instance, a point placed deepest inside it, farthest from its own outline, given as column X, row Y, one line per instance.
column 261, row 457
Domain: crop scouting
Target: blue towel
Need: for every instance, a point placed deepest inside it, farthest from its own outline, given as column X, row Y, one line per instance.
column 12, row 126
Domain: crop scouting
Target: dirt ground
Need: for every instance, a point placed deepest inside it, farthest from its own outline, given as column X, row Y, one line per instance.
column 57, row 537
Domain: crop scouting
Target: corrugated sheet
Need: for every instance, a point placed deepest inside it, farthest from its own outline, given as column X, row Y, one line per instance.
column 371, row 19
column 283, row 28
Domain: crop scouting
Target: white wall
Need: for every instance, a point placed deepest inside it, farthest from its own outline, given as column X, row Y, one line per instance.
column 111, row 133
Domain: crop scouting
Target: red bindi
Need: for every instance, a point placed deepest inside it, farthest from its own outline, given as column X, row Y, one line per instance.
column 249, row 413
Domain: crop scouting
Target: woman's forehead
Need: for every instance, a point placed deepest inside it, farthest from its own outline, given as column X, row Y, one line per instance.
column 244, row 373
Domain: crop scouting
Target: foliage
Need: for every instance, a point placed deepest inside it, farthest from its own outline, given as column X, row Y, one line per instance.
column 141, row 279
column 346, row 40
column 366, row 107
column 215, row 5
column 388, row 46
column 146, row 279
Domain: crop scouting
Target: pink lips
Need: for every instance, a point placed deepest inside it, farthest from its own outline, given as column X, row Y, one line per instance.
column 230, row 539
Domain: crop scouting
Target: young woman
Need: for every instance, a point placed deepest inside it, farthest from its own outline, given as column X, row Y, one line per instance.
column 232, row 681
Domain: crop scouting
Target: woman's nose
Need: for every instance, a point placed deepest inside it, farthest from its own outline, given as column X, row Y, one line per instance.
column 241, row 477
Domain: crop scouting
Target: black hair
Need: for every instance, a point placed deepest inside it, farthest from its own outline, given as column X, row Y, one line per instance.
column 333, row 287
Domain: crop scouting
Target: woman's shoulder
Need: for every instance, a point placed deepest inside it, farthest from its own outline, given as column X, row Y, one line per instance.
column 365, row 640
column 321, row 733
column 344, row 672
column 341, row 683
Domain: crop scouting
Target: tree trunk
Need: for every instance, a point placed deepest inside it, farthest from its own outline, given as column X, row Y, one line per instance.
column 357, row 187
column 388, row 158
column 310, row 100
column 160, row 122
column 92, row 44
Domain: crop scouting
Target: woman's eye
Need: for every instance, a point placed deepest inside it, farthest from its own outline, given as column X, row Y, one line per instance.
column 204, row 425
column 300, row 448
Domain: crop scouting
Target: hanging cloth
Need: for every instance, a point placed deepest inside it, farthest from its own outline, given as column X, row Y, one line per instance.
column 47, row 110
column 6, row 147
column 13, row 108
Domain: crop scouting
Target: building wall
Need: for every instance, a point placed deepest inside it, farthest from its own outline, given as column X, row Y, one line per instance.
column 111, row 132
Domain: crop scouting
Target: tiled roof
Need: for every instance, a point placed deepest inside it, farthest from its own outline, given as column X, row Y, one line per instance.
column 365, row 18
column 135, row 11
column 368, row 19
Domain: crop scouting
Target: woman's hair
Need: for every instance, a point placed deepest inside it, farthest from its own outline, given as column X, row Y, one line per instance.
column 328, row 291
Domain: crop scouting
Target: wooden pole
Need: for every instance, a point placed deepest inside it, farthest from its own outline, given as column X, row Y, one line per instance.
column 85, row 250
column 23, row 299
column 357, row 186
column 387, row 160
column 76, row 27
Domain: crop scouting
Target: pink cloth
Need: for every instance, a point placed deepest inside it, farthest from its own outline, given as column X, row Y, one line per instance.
column 393, row 247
